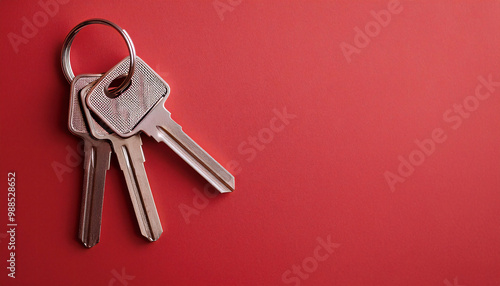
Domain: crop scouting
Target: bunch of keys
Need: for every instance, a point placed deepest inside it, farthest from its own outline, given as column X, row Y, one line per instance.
column 111, row 121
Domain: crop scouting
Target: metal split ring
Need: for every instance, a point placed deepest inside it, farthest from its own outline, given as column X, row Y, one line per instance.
column 65, row 53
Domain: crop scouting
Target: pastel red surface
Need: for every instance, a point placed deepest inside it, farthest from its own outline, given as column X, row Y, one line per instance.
column 322, row 176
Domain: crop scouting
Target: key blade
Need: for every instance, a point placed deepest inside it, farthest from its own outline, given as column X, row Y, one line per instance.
column 141, row 108
column 96, row 164
column 131, row 160
column 170, row 133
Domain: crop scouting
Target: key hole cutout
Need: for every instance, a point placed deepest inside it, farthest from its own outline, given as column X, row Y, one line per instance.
column 110, row 90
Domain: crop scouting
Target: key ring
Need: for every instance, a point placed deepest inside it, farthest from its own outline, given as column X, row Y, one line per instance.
column 65, row 53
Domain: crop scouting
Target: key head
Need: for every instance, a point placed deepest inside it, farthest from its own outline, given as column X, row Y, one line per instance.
column 96, row 127
column 77, row 123
column 124, row 113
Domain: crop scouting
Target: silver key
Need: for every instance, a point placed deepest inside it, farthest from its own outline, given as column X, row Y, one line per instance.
column 141, row 108
column 96, row 163
column 131, row 160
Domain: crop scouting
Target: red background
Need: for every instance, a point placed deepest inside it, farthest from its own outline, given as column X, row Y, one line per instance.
column 322, row 176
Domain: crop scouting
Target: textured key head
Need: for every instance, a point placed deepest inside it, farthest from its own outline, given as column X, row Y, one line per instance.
column 96, row 127
column 76, row 123
column 124, row 112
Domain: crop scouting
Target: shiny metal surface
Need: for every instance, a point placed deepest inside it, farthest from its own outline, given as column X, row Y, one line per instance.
column 141, row 108
column 123, row 113
column 96, row 163
column 131, row 160
column 162, row 128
